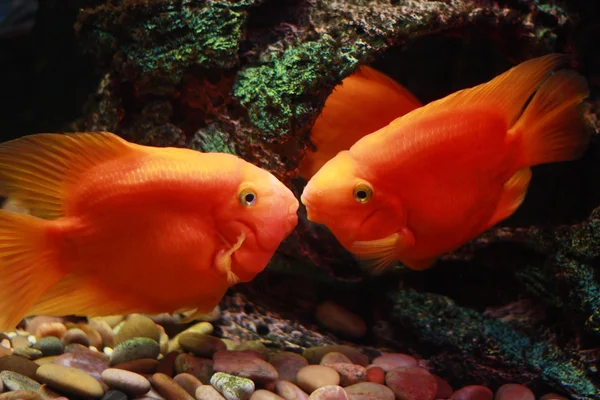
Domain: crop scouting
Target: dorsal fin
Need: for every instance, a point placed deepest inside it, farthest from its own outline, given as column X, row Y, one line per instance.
column 37, row 170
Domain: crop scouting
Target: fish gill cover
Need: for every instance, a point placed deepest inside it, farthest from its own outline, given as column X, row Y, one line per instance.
column 518, row 304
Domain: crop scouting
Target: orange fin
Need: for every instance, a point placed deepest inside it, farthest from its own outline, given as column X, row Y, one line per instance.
column 512, row 196
column 420, row 265
column 376, row 76
column 37, row 170
column 26, row 269
column 552, row 126
column 508, row 92
column 380, row 254
column 223, row 261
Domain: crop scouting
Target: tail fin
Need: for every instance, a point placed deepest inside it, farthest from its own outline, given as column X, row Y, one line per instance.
column 25, row 266
column 552, row 127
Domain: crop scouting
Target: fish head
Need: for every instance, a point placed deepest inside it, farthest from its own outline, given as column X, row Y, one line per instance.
column 264, row 210
column 350, row 203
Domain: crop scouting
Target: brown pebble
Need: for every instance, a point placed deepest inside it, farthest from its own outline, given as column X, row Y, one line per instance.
column 137, row 325
column 76, row 335
column 411, row 383
column 19, row 342
column 49, row 394
column 139, row 366
column 166, row 365
column 201, row 368
column 70, row 380
column 254, row 345
column 289, row 391
column 287, row 364
column 334, row 357
column 188, row 381
column 329, row 392
column 46, row 360
column 245, row 365
column 369, row 391
column 514, row 391
column 375, row 374
column 201, row 345
column 105, row 332
column 340, row 320
column 19, row 364
column 473, row 392
column 126, row 381
column 168, row 388
column 262, row 394
column 315, row 354
column 350, row 373
column 20, row 395
column 444, row 389
column 34, row 325
column 553, row 396
column 389, row 361
column 207, row 392
column 312, row 377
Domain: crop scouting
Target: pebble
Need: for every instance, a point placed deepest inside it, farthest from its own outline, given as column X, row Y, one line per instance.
column 114, row 395
column 247, row 365
column 262, row 394
column 340, row 320
column 205, row 328
column 514, row 391
column 329, row 392
column 287, row 364
column 46, row 360
column 19, row 364
column 389, row 361
column 137, row 325
column 254, row 345
column 34, row 324
column 350, row 373
column 86, row 361
column 207, row 392
column 315, row 354
column 133, row 349
column 411, row 383
column 289, row 391
column 375, row 374
column 168, row 388
column 201, row 345
column 444, row 390
column 166, row 365
column 70, row 380
column 76, row 335
column 104, row 330
column 201, row 368
column 473, row 392
column 20, row 395
column 28, row 352
column 232, row 387
column 56, row 329
column 334, row 357
column 312, row 377
column 553, row 396
column 126, row 381
column 187, row 381
column 19, row 342
column 369, row 391
column 139, row 366
column 49, row 346
column 48, row 393
column 15, row 381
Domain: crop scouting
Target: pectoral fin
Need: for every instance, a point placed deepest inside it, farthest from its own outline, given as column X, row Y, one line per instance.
column 223, row 260
column 382, row 253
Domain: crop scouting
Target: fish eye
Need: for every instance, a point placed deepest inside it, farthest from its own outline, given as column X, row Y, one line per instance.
column 363, row 193
column 248, row 197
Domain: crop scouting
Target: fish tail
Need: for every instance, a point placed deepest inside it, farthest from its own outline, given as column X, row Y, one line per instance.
column 552, row 127
column 26, row 269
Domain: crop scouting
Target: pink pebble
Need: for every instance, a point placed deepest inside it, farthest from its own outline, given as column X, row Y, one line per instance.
column 473, row 392
column 389, row 361
column 375, row 374
column 411, row 383
column 329, row 392
column 553, row 396
column 514, row 391
column 444, row 389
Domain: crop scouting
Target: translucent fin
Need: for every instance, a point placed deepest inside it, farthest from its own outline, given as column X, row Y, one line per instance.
column 223, row 261
column 26, row 269
column 380, row 254
column 38, row 170
column 512, row 197
column 552, row 126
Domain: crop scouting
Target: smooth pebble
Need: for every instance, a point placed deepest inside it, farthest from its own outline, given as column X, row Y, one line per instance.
column 114, row 395
column 49, row 346
column 188, row 381
column 329, row 392
column 201, row 345
column 334, row 357
column 245, row 364
column 15, row 381
column 315, row 354
column 411, row 383
column 126, row 381
column 262, row 394
column 514, row 391
column 137, row 325
column 444, row 389
column 553, row 396
column 375, row 374
column 473, row 392
column 168, row 388
column 133, row 349
column 289, row 391
column 232, row 387
column 312, row 377
column 389, row 361
column 70, row 380
column 369, row 391
column 288, row 364
column 76, row 335
column 207, row 392
column 139, row 366
column 201, row 368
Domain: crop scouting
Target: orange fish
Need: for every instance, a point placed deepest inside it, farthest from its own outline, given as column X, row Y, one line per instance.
column 440, row 175
column 364, row 102
column 117, row 227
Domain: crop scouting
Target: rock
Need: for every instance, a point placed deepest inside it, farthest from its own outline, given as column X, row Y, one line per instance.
column 329, row 392
column 473, row 392
column 126, row 381
column 19, row 364
column 246, row 365
column 40, row 326
column 19, row 342
column 114, row 395
column 341, row 321
column 14, row 381
column 369, row 391
column 411, row 383
column 289, row 391
column 254, row 345
column 168, row 388
column 166, row 365
column 553, row 396
column 139, row 366
column 350, row 373
column 375, row 374
column 70, row 380
column 104, row 330
column 444, row 390
column 201, row 345
column 89, row 362
column 49, row 346
column 137, row 325
column 28, row 352
column 389, row 361
column 287, row 364
column 49, row 394
column 513, row 391
column 163, row 341
column 20, row 395
column 334, row 357
column 232, row 387
column 201, row 368
column 207, row 392
column 46, row 360
column 205, row 328
column 262, row 394
column 312, row 377
column 188, row 381
column 133, row 349
column 76, row 335
column 315, row 354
